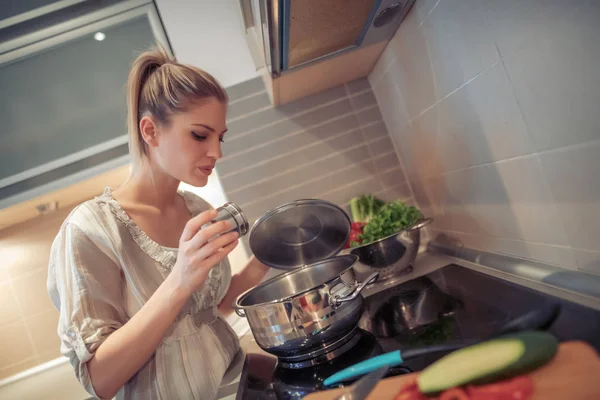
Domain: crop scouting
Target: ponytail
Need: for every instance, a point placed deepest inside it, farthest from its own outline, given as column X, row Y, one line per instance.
column 160, row 86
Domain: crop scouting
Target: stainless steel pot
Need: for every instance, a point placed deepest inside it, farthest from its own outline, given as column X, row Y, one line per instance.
column 390, row 255
column 306, row 308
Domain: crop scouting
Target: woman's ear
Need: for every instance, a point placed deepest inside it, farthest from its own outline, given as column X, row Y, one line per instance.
column 149, row 131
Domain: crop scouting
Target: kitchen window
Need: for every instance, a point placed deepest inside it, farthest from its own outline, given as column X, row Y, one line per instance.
column 63, row 106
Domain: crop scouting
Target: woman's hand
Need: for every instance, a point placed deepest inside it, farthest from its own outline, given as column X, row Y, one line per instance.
column 200, row 251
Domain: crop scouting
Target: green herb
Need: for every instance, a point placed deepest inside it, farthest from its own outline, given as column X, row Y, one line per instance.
column 391, row 218
column 436, row 333
column 365, row 207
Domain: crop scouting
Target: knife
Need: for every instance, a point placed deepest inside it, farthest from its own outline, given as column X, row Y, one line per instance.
column 361, row 388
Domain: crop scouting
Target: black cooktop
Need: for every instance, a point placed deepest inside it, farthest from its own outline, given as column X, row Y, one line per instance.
column 452, row 303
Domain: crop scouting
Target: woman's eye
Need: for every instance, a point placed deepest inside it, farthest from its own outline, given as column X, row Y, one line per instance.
column 198, row 137
column 222, row 140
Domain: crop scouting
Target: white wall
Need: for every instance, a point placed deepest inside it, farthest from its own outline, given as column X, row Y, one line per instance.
column 209, row 35
column 493, row 107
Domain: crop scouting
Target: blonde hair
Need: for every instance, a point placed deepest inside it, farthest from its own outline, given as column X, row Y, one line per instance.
column 160, row 86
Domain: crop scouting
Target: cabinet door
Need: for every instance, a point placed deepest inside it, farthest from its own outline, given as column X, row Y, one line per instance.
column 316, row 28
column 63, row 105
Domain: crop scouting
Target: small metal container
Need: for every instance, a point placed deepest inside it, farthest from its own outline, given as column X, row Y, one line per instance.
column 232, row 213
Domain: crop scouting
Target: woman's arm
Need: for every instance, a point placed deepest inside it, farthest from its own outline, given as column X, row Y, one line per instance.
column 128, row 348
column 250, row 276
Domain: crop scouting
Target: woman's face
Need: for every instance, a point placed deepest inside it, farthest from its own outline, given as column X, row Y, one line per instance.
column 188, row 147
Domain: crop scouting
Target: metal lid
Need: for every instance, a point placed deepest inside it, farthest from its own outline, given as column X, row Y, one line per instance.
column 299, row 233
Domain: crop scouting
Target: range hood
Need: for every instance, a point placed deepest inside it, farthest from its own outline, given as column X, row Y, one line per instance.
column 292, row 34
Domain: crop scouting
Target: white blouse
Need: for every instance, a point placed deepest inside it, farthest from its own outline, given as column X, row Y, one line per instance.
column 103, row 269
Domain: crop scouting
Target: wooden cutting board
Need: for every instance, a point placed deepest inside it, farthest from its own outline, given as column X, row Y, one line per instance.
column 573, row 374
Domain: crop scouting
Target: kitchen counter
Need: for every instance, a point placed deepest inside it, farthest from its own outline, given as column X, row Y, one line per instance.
column 426, row 263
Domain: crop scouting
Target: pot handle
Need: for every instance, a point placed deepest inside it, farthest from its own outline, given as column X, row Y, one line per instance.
column 238, row 310
column 420, row 224
column 337, row 301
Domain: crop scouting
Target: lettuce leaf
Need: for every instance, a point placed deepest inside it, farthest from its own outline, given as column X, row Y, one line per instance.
column 391, row 218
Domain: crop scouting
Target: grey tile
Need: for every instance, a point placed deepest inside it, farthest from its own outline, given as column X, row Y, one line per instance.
column 369, row 115
column 399, row 192
column 357, row 172
column 509, row 200
column 553, row 255
column 248, row 105
column 418, row 145
column 434, row 199
column 253, row 122
column 324, row 113
column 573, row 178
column 375, row 131
column 460, row 43
column 393, row 177
column 518, row 24
column 363, row 100
column 559, row 91
column 391, row 104
column 318, row 149
column 244, row 89
column 422, row 9
column 282, row 144
column 381, row 146
column 314, row 100
column 383, row 63
column 306, row 172
column 284, row 125
column 386, row 162
column 358, row 85
column 420, row 193
column 344, row 194
column 531, row 201
column 478, row 128
column 412, row 70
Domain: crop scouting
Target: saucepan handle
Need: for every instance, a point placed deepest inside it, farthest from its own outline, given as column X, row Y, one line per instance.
column 420, row 224
column 239, row 311
column 337, row 301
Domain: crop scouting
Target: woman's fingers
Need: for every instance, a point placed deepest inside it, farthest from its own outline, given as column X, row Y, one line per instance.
column 194, row 224
column 208, row 233
column 220, row 254
column 215, row 245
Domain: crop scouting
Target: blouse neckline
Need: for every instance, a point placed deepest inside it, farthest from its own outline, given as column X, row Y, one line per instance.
column 165, row 256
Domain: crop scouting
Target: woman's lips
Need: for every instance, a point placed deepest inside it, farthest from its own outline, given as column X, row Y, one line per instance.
column 206, row 170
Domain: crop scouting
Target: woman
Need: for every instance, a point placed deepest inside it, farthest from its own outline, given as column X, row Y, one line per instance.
column 138, row 282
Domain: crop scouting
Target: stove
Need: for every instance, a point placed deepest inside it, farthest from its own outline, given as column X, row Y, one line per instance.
column 452, row 303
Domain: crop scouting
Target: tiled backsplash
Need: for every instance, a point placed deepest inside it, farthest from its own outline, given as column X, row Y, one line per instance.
column 332, row 145
column 493, row 107
column 28, row 319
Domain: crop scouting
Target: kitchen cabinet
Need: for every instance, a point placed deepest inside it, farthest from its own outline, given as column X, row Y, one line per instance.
column 63, row 74
column 301, row 47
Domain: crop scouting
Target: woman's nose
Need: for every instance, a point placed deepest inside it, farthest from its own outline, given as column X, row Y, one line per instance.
column 214, row 150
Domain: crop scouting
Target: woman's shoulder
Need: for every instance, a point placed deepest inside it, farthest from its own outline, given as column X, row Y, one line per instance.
column 96, row 218
column 195, row 203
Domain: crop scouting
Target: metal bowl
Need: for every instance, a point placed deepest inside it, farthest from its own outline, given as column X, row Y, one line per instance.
column 390, row 255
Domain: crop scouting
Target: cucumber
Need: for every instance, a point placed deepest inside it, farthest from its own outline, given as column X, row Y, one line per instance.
column 493, row 360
